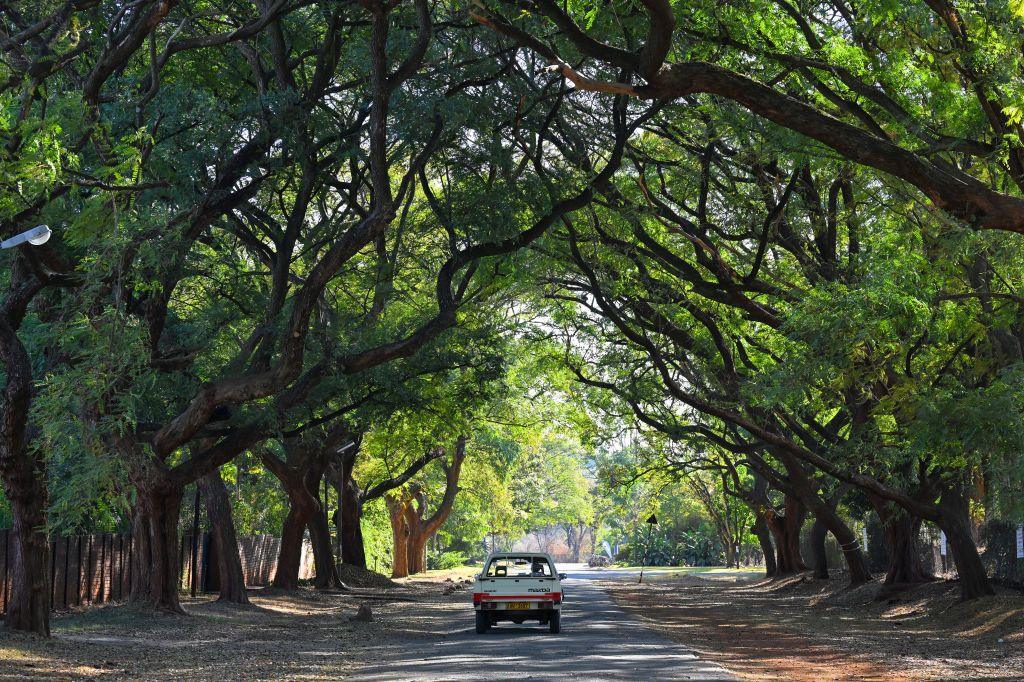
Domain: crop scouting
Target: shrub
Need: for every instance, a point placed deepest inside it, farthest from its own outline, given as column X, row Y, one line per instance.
column 449, row 560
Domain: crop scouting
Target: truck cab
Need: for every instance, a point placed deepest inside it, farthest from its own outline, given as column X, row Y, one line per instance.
column 517, row 587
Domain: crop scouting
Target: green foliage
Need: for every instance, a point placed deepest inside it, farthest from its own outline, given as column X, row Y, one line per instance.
column 735, row 275
column 377, row 541
column 446, row 560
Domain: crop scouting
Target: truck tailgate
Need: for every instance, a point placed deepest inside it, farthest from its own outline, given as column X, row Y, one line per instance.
column 518, row 590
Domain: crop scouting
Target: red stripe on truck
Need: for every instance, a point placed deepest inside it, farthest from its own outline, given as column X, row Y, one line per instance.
column 485, row 596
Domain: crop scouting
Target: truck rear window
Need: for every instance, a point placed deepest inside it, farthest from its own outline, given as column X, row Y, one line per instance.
column 519, row 567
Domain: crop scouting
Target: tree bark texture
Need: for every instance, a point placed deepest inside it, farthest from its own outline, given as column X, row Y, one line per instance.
column 28, row 605
column 156, row 560
column 954, row 520
column 231, row 579
column 764, row 538
column 421, row 527
column 399, row 534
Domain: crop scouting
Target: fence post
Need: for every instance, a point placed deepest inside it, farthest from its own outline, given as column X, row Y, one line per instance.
column 53, row 567
column 7, row 551
column 120, row 566
column 181, row 562
column 67, row 566
column 131, row 546
column 193, row 573
column 78, row 575
column 101, row 598
column 88, row 571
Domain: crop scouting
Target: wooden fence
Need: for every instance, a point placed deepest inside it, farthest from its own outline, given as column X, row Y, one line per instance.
column 85, row 569
column 93, row 569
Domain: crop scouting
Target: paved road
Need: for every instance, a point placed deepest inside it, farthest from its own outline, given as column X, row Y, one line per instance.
column 598, row 642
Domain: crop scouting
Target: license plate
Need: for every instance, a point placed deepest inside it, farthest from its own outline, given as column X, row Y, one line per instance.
column 518, row 605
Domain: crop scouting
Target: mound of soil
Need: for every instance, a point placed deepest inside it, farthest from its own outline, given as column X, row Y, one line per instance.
column 688, row 579
column 354, row 576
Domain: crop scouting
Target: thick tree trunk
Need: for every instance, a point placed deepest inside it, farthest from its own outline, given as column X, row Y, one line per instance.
column 326, row 570
column 786, row 533
column 416, row 545
column 904, row 557
column 787, row 556
column 954, row 520
column 422, row 529
column 23, row 471
column 289, row 556
column 351, row 511
column 399, row 535
column 730, row 552
column 900, row 530
column 28, row 605
column 856, row 561
column 764, row 538
column 796, row 512
column 824, row 511
column 305, row 511
column 155, row 567
column 820, row 557
column 417, row 552
column 323, row 554
column 229, row 561
column 301, row 507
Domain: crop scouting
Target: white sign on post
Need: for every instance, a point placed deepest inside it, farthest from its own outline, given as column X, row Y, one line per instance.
column 942, row 543
column 1020, row 541
column 864, row 538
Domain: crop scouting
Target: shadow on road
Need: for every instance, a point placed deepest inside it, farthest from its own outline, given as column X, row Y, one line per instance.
column 598, row 642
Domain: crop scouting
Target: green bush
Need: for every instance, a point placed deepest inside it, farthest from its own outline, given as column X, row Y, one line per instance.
column 449, row 560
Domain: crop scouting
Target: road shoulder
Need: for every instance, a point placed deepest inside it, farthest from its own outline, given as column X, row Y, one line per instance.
column 802, row 629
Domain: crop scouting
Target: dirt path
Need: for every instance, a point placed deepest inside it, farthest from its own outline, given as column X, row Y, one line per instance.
column 813, row 630
column 299, row 635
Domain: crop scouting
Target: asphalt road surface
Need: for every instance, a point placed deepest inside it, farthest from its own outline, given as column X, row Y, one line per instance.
column 598, row 642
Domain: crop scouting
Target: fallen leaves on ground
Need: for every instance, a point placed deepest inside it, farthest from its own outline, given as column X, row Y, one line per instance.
column 803, row 629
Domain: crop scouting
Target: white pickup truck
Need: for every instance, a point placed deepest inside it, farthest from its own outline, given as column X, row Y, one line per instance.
column 518, row 586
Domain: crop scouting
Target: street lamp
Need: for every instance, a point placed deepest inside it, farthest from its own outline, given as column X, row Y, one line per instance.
column 37, row 236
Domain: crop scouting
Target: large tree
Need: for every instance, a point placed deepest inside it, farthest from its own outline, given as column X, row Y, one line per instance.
column 844, row 74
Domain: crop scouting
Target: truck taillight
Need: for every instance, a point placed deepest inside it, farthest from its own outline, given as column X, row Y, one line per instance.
column 557, row 596
column 477, row 598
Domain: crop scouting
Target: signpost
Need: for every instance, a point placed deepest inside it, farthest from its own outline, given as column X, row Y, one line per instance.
column 942, row 543
column 651, row 523
column 1020, row 541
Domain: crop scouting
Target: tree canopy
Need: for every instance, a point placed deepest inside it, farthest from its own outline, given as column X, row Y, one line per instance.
column 421, row 277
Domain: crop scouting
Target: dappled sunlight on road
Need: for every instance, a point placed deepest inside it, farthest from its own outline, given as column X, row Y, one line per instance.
column 598, row 642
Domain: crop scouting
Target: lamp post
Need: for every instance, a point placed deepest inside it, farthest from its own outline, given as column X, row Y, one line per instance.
column 37, row 236
column 652, row 521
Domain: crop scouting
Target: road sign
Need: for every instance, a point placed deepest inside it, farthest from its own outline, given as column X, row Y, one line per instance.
column 942, row 543
column 1020, row 541
column 652, row 522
